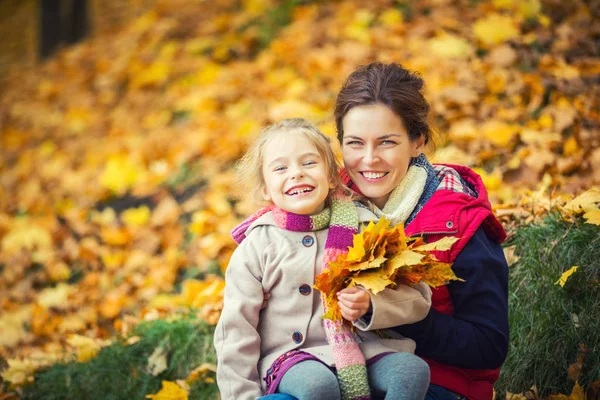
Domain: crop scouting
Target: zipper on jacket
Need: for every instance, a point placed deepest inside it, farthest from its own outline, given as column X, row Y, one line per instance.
column 433, row 233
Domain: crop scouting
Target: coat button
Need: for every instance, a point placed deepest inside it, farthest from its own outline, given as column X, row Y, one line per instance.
column 297, row 337
column 308, row 241
column 449, row 224
column 304, row 289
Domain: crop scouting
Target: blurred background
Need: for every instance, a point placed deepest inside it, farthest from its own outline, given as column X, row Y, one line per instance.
column 121, row 122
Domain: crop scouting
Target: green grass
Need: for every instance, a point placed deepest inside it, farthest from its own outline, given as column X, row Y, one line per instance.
column 549, row 322
column 119, row 371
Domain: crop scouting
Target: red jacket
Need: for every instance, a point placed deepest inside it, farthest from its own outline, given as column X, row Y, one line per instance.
column 450, row 213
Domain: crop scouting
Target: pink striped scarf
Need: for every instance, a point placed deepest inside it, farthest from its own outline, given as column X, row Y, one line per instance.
column 342, row 220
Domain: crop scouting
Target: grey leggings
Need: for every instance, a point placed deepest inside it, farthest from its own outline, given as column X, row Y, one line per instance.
column 398, row 376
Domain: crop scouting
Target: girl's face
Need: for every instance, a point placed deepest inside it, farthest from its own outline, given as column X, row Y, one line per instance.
column 295, row 174
column 377, row 150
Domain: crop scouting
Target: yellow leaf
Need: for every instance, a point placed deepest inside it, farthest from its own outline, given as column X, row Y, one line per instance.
column 136, row 216
column 13, row 326
column 87, row 348
column 26, row 234
column 499, row 133
column 391, row 18
column 55, row 297
column 152, row 75
column 58, row 271
column 495, row 29
column 592, row 217
column 570, row 146
column 256, row 7
column 584, row 202
column 201, row 372
column 169, row 391
column 20, row 372
column 197, row 293
column 373, row 281
column 407, row 257
column 529, row 8
column 357, row 251
column 565, row 276
column 120, row 174
column 496, row 80
column 359, row 28
column 443, row 244
column 115, row 236
column 450, row 46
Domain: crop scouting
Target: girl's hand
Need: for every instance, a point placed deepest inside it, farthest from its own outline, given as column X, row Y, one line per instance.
column 354, row 302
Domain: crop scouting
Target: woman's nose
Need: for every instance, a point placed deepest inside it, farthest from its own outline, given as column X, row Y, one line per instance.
column 370, row 156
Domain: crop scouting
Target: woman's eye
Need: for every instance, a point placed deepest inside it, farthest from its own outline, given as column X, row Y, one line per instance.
column 308, row 163
column 353, row 143
column 387, row 142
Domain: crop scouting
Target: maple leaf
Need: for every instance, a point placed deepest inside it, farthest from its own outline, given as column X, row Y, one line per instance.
column 379, row 258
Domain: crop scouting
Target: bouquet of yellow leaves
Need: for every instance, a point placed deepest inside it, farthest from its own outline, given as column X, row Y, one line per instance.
column 382, row 257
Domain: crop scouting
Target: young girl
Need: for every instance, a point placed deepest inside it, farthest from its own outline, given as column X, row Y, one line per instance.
column 287, row 347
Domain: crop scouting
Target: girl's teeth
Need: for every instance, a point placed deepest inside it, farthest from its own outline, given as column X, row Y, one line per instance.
column 373, row 175
column 298, row 191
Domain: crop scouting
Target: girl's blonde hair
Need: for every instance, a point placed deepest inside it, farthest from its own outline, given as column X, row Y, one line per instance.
column 250, row 166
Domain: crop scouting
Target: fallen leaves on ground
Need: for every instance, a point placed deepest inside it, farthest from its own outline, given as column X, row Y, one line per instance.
column 117, row 190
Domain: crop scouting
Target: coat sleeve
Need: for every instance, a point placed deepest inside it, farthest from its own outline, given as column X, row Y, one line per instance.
column 396, row 306
column 476, row 334
column 236, row 340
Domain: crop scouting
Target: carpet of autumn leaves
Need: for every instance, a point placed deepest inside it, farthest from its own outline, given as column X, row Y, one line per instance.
column 117, row 186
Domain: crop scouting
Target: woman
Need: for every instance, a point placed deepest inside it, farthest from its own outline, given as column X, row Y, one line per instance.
column 381, row 120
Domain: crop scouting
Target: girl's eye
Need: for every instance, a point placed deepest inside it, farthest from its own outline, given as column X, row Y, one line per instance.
column 278, row 169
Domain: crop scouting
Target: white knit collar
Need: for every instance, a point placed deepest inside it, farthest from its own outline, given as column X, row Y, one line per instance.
column 404, row 197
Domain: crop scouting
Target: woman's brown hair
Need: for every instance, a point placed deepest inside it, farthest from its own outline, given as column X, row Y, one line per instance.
column 391, row 85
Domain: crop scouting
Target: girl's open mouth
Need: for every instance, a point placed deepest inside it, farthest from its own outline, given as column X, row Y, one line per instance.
column 298, row 190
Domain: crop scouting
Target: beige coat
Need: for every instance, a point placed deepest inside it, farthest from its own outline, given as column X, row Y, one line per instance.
column 285, row 263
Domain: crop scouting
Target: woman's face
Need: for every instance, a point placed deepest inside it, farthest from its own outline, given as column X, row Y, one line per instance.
column 377, row 150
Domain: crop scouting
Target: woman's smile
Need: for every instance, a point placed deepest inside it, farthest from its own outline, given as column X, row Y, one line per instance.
column 373, row 176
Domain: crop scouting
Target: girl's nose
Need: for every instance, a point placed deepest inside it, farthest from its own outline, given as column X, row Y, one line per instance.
column 296, row 172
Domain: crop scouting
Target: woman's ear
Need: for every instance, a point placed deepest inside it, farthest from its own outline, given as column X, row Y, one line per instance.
column 418, row 146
